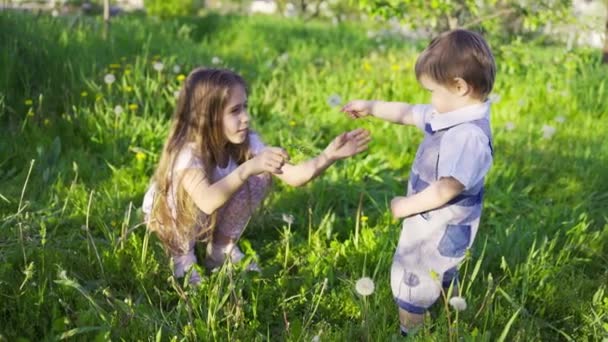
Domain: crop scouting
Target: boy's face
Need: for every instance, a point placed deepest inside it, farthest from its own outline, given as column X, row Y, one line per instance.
column 446, row 99
column 235, row 117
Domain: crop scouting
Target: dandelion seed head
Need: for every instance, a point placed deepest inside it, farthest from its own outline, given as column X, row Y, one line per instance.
column 548, row 131
column 158, row 66
column 458, row 303
column 288, row 218
column 109, row 79
column 365, row 286
column 118, row 110
column 334, row 100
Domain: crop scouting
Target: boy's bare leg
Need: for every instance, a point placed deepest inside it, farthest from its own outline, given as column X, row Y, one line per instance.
column 410, row 321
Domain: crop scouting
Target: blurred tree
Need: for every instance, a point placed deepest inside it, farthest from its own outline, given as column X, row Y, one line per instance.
column 500, row 17
column 605, row 52
column 168, row 8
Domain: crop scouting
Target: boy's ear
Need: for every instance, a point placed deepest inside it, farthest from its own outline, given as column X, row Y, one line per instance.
column 461, row 87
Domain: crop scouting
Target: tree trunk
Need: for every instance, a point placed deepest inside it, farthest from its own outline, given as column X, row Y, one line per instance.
column 605, row 55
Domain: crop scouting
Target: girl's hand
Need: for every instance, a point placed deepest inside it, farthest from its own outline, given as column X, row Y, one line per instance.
column 271, row 159
column 348, row 144
column 358, row 108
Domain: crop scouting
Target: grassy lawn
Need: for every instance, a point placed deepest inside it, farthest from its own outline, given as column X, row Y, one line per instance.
column 76, row 262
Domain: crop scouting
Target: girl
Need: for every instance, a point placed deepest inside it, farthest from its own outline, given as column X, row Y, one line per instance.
column 214, row 171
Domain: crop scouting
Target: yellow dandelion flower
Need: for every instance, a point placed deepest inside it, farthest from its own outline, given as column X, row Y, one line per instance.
column 127, row 89
column 84, row 94
column 364, row 218
column 181, row 77
column 114, row 66
column 133, row 106
column 140, row 156
column 47, row 122
column 434, row 275
column 292, row 123
column 29, row 102
column 127, row 72
column 367, row 66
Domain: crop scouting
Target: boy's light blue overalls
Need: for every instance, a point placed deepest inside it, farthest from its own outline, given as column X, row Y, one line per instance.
column 433, row 243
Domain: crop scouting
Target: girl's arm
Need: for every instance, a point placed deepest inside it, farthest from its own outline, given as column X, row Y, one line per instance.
column 209, row 197
column 343, row 146
column 396, row 112
column 434, row 196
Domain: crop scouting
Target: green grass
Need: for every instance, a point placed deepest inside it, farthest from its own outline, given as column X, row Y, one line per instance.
column 75, row 261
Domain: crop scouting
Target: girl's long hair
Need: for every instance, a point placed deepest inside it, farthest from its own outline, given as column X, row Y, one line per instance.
column 197, row 120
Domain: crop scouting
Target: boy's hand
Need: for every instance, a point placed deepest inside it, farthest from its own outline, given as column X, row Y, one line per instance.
column 358, row 108
column 398, row 208
column 348, row 144
column 271, row 159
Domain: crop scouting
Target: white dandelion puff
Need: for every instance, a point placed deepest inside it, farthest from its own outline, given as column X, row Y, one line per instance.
column 288, row 218
column 316, row 339
column 365, row 286
column 458, row 303
column 158, row 66
column 509, row 126
column 176, row 94
column 494, row 98
column 548, row 131
column 334, row 100
column 118, row 110
column 177, row 69
column 216, row 60
column 284, row 57
column 109, row 79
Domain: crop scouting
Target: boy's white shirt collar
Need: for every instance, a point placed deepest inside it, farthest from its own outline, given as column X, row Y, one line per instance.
column 458, row 116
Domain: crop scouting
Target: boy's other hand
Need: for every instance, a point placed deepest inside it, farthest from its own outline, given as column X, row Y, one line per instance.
column 397, row 207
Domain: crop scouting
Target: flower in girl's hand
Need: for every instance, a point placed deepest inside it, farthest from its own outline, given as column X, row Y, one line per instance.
column 334, row 100
column 288, row 218
column 365, row 286
column 458, row 303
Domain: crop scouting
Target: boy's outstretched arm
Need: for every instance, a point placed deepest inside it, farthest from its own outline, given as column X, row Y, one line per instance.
column 343, row 146
column 396, row 112
column 434, row 196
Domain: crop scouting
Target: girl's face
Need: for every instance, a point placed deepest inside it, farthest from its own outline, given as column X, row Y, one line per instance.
column 444, row 99
column 235, row 117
